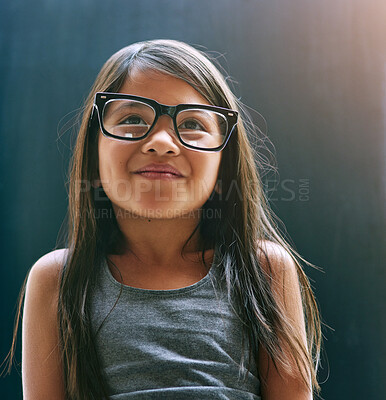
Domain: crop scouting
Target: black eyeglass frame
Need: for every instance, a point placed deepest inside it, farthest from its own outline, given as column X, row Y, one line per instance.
column 101, row 98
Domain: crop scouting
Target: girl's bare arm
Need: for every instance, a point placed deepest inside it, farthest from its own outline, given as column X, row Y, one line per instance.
column 286, row 290
column 41, row 366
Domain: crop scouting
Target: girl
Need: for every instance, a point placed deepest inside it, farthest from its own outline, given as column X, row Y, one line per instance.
column 175, row 282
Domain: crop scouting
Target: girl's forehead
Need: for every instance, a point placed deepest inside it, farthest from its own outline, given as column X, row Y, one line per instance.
column 162, row 87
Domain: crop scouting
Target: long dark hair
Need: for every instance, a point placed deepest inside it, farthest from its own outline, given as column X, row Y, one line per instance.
column 245, row 222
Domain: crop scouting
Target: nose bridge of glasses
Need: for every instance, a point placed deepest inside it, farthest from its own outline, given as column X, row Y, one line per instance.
column 168, row 110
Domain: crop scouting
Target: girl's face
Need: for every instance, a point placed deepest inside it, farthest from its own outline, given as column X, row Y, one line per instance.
column 133, row 173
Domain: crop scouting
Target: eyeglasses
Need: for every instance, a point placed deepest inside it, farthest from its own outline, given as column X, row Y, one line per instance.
column 131, row 118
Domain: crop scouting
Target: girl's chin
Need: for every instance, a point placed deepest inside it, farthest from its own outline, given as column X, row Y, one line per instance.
column 156, row 213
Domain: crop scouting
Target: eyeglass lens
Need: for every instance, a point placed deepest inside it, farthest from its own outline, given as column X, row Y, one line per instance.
column 133, row 119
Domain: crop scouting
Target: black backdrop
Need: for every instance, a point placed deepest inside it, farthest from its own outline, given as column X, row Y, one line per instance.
column 314, row 69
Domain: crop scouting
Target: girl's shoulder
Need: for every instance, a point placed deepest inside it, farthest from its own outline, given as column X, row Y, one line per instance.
column 44, row 274
column 281, row 270
column 51, row 263
column 54, row 257
column 274, row 258
column 41, row 359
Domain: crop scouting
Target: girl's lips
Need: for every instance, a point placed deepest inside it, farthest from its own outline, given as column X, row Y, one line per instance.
column 159, row 171
column 158, row 175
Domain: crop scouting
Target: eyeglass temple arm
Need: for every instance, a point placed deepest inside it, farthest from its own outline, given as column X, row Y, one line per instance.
column 94, row 110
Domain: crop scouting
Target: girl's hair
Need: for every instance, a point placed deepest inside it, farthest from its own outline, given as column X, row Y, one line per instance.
column 243, row 221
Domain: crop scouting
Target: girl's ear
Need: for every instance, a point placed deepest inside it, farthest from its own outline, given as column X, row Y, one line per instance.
column 96, row 183
column 218, row 187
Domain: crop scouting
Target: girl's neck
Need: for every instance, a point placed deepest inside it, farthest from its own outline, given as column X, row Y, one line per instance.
column 160, row 241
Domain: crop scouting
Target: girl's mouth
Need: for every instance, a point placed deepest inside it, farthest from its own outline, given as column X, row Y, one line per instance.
column 159, row 171
column 158, row 175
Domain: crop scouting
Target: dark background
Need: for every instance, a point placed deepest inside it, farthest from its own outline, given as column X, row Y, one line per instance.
column 316, row 71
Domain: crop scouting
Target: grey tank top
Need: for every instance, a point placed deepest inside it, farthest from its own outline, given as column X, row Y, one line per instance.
column 170, row 344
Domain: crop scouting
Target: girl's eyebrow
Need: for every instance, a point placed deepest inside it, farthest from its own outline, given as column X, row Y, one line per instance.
column 116, row 108
column 208, row 115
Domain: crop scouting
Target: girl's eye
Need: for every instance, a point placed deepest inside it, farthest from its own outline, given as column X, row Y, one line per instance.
column 133, row 120
column 191, row 125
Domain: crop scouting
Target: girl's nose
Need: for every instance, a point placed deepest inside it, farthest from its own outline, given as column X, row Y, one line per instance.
column 162, row 139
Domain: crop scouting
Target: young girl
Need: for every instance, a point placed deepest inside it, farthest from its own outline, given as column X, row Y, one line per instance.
column 175, row 282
